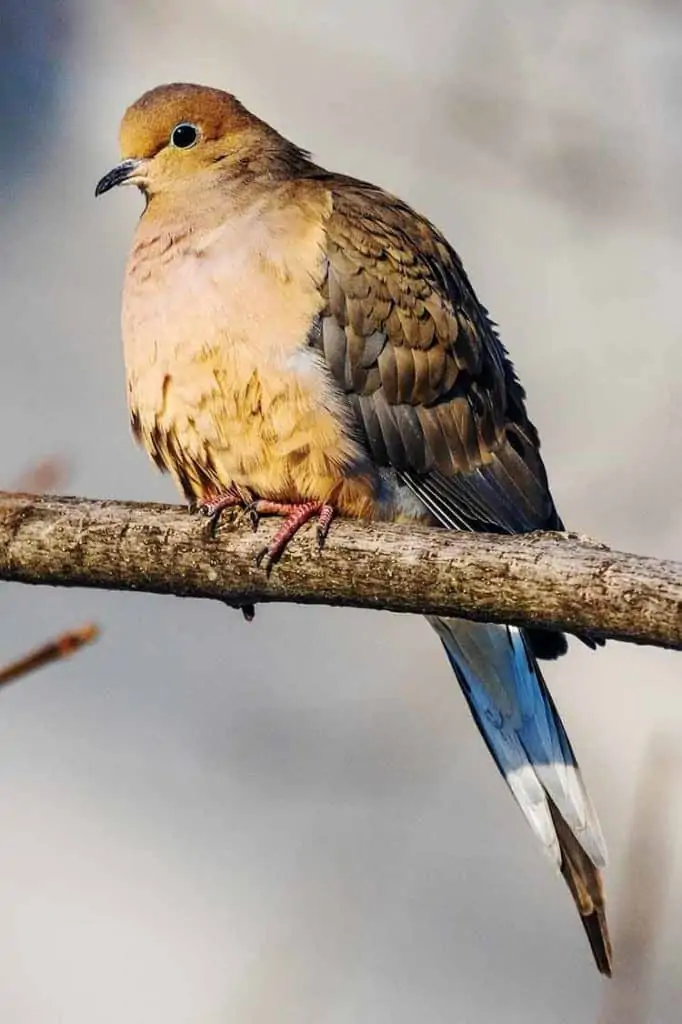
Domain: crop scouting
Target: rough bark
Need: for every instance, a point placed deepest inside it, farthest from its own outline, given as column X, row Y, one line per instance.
column 547, row 580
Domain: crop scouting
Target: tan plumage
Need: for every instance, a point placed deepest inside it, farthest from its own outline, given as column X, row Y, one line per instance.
column 295, row 336
column 217, row 360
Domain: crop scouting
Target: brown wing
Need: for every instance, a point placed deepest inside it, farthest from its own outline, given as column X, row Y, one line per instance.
column 431, row 384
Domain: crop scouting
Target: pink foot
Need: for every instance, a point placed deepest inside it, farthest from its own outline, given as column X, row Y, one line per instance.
column 214, row 505
column 297, row 514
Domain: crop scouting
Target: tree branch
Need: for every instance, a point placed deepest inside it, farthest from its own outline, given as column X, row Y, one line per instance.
column 543, row 579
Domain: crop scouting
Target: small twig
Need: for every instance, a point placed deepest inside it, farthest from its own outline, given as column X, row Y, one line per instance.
column 61, row 647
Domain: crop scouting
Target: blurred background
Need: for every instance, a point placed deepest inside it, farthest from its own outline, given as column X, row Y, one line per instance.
column 295, row 820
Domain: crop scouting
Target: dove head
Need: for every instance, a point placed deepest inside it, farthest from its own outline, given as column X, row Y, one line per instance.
column 179, row 136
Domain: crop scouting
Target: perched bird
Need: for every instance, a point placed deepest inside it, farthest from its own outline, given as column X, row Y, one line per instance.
column 302, row 343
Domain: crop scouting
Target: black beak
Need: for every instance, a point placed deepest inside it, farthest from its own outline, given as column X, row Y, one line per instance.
column 119, row 175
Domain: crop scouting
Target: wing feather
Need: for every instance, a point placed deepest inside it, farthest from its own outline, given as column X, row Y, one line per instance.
column 434, row 391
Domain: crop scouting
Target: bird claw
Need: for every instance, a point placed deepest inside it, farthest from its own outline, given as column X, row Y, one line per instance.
column 323, row 523
column 213, row 507
column 297, row 515
column 252, row 514
column 261, row 557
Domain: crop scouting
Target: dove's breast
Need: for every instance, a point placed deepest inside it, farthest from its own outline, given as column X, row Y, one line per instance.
column 222, row 385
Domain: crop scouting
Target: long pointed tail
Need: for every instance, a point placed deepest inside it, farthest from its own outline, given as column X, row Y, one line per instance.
column 517, row 718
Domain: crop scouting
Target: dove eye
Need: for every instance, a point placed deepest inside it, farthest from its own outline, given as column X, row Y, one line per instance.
column 184, row 136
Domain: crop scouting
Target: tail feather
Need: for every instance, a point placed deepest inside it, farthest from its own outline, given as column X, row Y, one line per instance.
column 519, row 722
column 585, row 883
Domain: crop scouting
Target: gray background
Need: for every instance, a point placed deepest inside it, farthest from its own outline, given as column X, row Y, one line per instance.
column 296, row 821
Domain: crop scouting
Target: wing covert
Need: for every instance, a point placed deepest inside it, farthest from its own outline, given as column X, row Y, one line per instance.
column 431, row 384
column 434, row 392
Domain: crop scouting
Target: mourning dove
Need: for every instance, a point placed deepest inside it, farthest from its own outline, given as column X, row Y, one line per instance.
column 304, row 343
